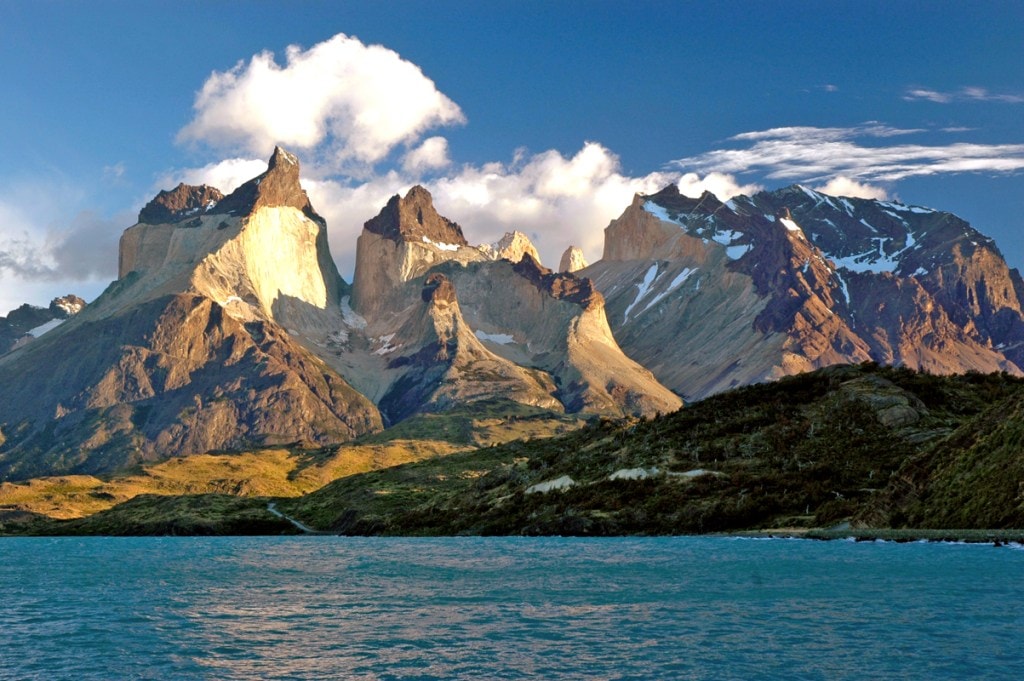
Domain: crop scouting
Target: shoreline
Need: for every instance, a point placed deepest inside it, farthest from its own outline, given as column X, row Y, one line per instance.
column 901, row 535
column 897, row 535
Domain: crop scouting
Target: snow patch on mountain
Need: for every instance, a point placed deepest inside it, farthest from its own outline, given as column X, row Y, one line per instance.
column 352, row 319
column 737, row 252
column 876, row 260
column 643, row 288
column 499, row 338
column 676, row 283
column 440, row 245
column 790, row 225
column 725, row 237
column 920, row 210
column 386, row 346
column 43, row 328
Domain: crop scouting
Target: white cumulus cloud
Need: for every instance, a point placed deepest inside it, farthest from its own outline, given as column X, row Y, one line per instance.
column 554, row 199
column 360, row 101
column 722, row 185
column 844, row 186
column 431, row 154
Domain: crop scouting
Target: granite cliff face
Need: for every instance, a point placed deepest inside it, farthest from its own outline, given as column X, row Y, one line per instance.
column 550, row 325
column 784, row 282
column 202, row 343
column 449, row 366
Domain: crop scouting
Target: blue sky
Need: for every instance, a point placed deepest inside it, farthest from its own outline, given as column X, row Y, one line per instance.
column 541, row 116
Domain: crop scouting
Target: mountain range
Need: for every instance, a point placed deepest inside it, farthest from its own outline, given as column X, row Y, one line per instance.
column 229, row 326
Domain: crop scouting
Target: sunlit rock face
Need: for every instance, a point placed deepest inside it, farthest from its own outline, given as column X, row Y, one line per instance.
column 711, row 294
column 207, row 340
column 572, row 260
column 261, row 251
column 512, row 247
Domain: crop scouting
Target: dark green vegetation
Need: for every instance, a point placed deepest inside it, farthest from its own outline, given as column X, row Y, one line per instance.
column 809, row 451
column 871, row 446
column 202, row 514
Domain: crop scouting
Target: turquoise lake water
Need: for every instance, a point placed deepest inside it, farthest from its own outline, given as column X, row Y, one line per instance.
column 507, row 608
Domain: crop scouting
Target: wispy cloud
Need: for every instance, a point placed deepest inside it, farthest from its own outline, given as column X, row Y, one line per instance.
column 965, row 94
column 355, row 102
column 812, row 154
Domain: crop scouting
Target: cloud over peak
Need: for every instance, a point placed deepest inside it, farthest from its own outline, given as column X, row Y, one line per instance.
column 810, row 154
column 359, row 101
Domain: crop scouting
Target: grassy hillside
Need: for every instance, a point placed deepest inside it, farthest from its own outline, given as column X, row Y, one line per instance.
column 273, row 472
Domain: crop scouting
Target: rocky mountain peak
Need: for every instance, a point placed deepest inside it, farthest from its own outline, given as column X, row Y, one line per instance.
column 414, row 218
column 671, row 199
column 66, row 306
column 278, row 187
column 184, row 201
column 572, row 260
column 512, row 247
column 283, row 161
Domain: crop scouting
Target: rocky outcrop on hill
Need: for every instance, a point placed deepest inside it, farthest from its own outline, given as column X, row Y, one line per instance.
column 783, row 282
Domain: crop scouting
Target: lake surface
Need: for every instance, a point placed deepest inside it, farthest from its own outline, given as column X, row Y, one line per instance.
column 507, row 608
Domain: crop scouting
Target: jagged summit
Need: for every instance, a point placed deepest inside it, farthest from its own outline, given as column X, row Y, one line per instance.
column 572, row 260
column 414, row 218
column 184, row 201
column 278, row 187
column 676, row 203
column 512, row 247
column 208, row 340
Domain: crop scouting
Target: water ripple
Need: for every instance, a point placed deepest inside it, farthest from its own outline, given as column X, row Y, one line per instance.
column 512, row 608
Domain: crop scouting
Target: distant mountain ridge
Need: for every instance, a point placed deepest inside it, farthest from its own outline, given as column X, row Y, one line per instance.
column 782, row 282
column 27, row 322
